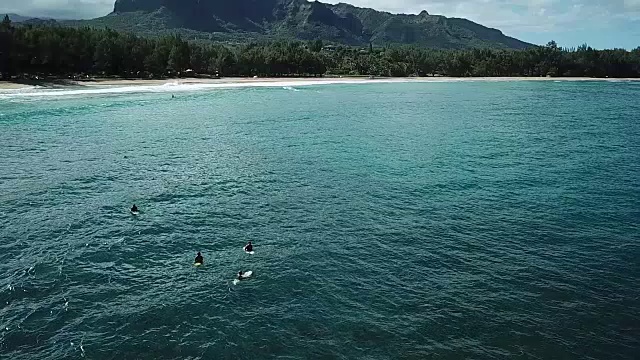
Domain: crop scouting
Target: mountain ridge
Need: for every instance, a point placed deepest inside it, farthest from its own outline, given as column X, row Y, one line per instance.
column 16, row 18
column 301, row 19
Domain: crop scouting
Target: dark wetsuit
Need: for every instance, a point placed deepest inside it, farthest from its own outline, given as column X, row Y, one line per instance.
column 199, row 259
column 248, row 248
column 134, row 209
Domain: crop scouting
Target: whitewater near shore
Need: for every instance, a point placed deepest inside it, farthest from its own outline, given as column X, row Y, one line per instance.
column 114, row 86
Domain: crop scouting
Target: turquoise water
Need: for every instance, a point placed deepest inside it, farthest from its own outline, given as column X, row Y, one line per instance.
column 452, row 220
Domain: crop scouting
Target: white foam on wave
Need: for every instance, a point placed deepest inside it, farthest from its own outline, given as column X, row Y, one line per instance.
column 175, row 87
column 35, row 92
column 88, row 91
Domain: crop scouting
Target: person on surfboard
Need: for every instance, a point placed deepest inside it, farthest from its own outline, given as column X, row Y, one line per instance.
column 134, row 208
column 248, row 247
column 240, row 275
column 199, row 259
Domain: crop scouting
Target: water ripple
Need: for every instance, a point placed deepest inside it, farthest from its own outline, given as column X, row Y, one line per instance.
column 390, row 221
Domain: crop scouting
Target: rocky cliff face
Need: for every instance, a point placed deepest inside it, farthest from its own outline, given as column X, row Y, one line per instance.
column 311, row 20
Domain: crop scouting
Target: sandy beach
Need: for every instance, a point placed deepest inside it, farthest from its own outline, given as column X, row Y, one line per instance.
column 240, row 82
column 7, row 85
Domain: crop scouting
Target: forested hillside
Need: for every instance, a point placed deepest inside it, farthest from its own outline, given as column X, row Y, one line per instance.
column 66, row 52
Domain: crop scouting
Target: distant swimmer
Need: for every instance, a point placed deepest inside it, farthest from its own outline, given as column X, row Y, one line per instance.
column 248, row 247
column 173, row 96
column 199, row 259
column 240, row 273
column 134, row 209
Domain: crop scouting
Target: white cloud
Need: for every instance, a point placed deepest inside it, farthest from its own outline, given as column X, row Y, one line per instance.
column 521, row 15
column 632, row 4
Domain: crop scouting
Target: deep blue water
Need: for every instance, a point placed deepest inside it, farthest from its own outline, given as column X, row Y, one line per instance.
column 454, row 220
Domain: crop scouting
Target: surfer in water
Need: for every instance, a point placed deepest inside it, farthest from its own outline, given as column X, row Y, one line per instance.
column 248, row 247
column 199, row 259
column 240, row 275
column 134, row 208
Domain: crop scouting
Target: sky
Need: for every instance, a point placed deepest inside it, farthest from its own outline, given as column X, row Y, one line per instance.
column 599, row 23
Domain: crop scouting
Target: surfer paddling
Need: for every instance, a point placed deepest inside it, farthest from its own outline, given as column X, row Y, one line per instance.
column 199, row 259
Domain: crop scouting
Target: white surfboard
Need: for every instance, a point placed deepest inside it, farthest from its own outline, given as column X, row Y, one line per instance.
column 245, row 275
column 135, row 213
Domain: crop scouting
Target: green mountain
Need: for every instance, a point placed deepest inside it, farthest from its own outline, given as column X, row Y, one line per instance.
column 259, row 19
column 15, row 17
column 24, row 19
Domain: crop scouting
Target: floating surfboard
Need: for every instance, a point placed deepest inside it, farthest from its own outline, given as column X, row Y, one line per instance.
column 197, row 264
column 136, row 213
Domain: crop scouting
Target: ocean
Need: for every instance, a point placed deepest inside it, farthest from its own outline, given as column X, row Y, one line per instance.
column 390, row 220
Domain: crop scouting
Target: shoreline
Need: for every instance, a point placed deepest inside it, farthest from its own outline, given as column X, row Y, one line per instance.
column 239, row 81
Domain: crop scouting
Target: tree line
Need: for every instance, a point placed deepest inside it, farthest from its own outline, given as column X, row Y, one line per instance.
column 61, row 51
